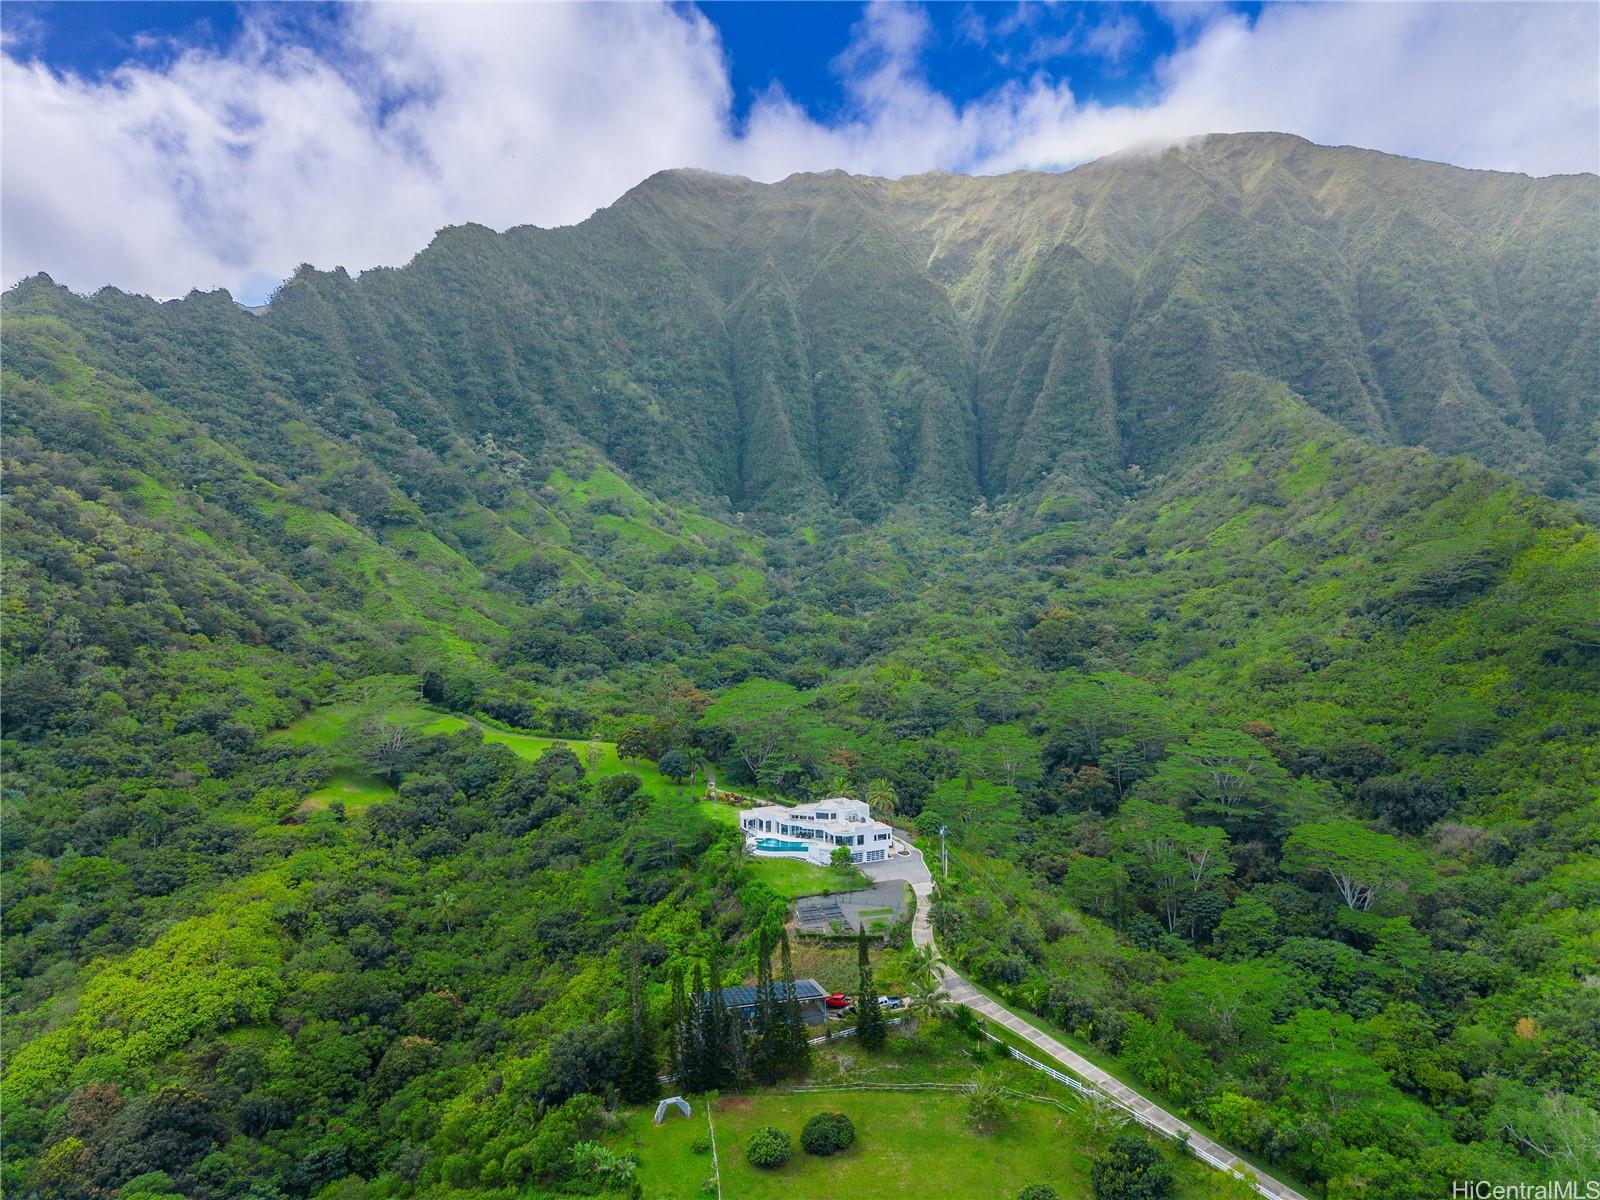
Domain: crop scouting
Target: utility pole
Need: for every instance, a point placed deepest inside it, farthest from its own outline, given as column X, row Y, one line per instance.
column 944, row 855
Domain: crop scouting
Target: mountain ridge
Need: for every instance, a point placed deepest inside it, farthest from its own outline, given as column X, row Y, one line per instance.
column 867, row 342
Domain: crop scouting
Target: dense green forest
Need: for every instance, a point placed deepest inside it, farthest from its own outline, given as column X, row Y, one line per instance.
column 1199, row 538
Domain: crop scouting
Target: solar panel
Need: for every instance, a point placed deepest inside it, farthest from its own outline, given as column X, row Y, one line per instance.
column 744, row 996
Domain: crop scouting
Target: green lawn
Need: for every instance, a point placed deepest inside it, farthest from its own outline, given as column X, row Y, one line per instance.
column 391, row 698
column 789, row 877
column 876, row 920
column 723, row 814
column 599, row 759
column 344, row 718
column 913, row 1143
column 908, row 1144
column 792, row 878
column 355, row 791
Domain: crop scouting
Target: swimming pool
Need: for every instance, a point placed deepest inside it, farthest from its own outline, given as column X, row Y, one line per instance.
column 779, row 846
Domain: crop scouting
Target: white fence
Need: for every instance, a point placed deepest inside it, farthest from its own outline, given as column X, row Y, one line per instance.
column 1088, row 1089
column 849, row 1031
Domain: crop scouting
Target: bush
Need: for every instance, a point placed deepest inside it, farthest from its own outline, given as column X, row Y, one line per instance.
column 827, row 1133
column 1131, row 1169
column 769, row 1147
column 701, row 1145
column 1038, row 1191
column 986, row 1106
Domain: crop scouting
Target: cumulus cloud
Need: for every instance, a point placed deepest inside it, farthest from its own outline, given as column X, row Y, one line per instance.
column 229, row 168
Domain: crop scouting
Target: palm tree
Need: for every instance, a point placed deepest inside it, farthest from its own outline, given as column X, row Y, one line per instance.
column 927, row 1001
column 882, row 800
column 1032, row 994
column 446, row 908
column 922, row 964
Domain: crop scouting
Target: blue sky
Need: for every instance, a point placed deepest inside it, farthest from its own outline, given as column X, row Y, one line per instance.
column 160, row 147
column 974, row 49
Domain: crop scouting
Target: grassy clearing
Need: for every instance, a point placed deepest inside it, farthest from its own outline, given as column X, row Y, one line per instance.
column 791, row 878
column 599, row 759
column 832, row 963
column 908, row 1143
column 334, row 722
column 355, row 791
column 722, row 814
column 391, row 698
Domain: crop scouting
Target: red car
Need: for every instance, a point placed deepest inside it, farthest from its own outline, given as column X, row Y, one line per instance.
column 838, row 1000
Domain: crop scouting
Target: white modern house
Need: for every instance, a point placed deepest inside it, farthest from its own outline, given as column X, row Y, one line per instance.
column 814, row 831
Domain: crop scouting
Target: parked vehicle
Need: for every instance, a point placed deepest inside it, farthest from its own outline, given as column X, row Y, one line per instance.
column 890, row 1003
column 838, row 1000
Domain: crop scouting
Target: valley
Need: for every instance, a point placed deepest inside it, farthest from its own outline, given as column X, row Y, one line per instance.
column 1201, row 543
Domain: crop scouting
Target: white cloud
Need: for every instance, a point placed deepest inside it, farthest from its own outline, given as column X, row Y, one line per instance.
column 223, row 169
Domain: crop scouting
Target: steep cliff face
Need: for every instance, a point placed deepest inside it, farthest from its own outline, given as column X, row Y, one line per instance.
column 865, row 343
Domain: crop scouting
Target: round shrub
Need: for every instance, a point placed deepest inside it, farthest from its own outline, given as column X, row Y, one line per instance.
column 827, row 1133
column 701, row 1145
column 769, row 1147
column 1038, row 1191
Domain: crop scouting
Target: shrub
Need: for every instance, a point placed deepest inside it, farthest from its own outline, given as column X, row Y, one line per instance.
column 1131, row 1169
column 827, row 1133
column 1038, row 1191
column 769, row 1147
column 701, row 1145
column 986, row 1106
column 966, row 1021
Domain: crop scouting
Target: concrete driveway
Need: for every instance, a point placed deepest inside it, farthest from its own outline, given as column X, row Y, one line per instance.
column 912, row 868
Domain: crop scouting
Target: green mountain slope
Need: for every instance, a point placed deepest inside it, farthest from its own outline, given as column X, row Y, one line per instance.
column 935, row 338
column 1174, row 532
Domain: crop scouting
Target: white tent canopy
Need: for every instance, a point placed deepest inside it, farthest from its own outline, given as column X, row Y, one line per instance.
column 665, row 1106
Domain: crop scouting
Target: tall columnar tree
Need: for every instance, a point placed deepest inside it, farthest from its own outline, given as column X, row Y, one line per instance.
column 682, row 1033
column 766, row 1052
column 716, row 1067
column 699, row 1074
column 795, row 1052
column 637, row 1079
column 869, row 1016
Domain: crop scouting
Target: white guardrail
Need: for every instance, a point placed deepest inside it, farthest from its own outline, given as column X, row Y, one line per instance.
column 1088, row 1089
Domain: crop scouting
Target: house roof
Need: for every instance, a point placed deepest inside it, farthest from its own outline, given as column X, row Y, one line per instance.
column 744, row 996
column 807, row 815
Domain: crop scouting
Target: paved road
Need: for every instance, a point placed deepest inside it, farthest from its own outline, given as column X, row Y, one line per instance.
column 914, row 870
